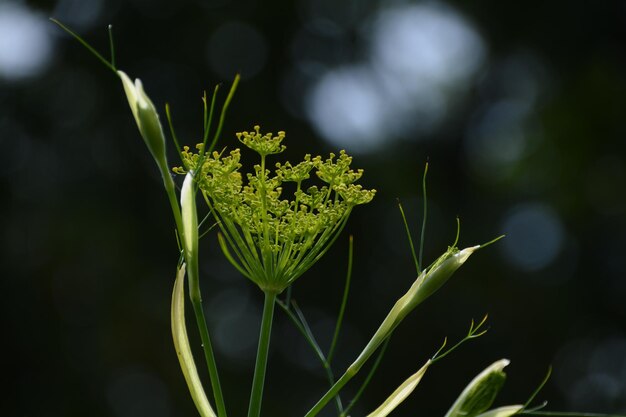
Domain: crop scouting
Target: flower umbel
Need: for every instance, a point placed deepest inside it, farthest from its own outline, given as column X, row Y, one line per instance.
column 270, row 239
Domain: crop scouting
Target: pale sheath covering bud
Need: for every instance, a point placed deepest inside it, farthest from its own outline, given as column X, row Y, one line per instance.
column 147, row 119
column 190, row 238
column 183, row 349
column 400, row 394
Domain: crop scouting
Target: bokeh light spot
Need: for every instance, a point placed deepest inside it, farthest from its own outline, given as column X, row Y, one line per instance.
column 419, row 59
column 25, row 47
column 347, row 108
column 426, row 43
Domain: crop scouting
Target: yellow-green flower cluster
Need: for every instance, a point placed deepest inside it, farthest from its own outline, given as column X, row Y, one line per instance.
column 275, row 239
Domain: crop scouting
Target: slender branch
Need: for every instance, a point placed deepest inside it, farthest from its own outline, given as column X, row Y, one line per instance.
column 111, row 45
column 256, row 396
column 220, row 124
column 90, row 48
column 332, row 392
column 408, row 235
column 325, row 362
column 425, row 196
column 344, row 302
column 300, row 322
column 208, row 354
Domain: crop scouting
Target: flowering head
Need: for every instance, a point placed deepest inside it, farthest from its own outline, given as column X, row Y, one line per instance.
column 270, row 238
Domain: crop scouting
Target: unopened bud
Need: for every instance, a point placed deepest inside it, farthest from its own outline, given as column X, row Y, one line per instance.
column 147, row 119
column 424, row 286
column 190, row 219
column 481, row 392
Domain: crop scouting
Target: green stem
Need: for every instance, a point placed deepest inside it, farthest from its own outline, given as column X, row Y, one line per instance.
column 305, row 330
column 369, row 377
column 196, row 298
column 352, row 370
column 256, row 396
column 170, row 188
column 344, row 302
column 196, row 301
column 332, row 392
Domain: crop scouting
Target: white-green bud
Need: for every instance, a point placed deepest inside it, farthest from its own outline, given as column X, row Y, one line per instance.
column 433, row 278
column 479, row 394
column 147, row 119
column 424, row 286
column 190, row 219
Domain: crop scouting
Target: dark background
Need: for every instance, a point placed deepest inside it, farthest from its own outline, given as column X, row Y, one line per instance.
column 519, row 107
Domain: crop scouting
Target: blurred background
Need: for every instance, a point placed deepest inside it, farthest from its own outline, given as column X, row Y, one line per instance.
column 518, row 107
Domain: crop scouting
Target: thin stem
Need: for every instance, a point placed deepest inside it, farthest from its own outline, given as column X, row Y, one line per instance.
column 256, row 396
column 539, row 388
column 170, row 189
column 220, row 124
column 344, row 301
column 369, row 377
column 111, row 45
column 86, row 45
column 408, row 235
column 425, row 196
column 208, row 351
column 173, row 133
column 332, row 392
column 300, row 322
column 325, row 363
column 191, row 257
column 208, row 118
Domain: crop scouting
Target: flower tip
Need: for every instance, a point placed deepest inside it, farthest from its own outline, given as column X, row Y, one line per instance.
column 465, row 253
column 500, row 365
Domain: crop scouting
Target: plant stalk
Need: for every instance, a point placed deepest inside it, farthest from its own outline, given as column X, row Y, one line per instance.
column 256, row 396
column 332, row 392
column 170, row 188
column 196, row 301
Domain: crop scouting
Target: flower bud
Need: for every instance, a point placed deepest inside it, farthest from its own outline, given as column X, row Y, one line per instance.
column 429, row 281
column 147, row 119
column 481, row 392
column 437, row 275
column 190, row 221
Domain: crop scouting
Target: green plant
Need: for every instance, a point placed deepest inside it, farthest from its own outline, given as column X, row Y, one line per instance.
column 273, row 240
